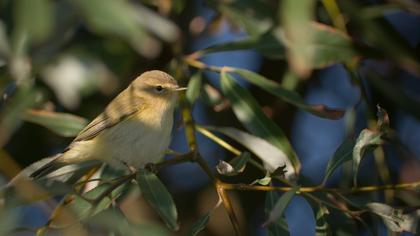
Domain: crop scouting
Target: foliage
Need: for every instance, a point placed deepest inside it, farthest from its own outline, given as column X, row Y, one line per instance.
column 55, row 54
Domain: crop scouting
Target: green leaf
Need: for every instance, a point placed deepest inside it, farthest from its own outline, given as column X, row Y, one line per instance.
column 397, row 96
column 271, row 156
column 194, row 88
column 253, row 118
column 63, row 124
column 298, row 34
column 379, row 34
column 256, row 17
column 277, row 211
column 235, row 166
column 114, row 220
column 395, row 219
column 199, row 225
column 158, row 197
column 34, row 19
column 13, row 111
column 278, row 228
column 322, row 226
column 287, row 95
column 266, row 44
column 343, row 154
column 367, row 139
column 88, row 205
column 118, row 18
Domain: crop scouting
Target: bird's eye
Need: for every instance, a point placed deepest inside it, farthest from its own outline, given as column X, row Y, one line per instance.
column 159, row 88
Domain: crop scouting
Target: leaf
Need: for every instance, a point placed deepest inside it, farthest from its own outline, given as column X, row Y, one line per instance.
column 367, row 139
column 394, row 219
column 263, row 181
column 266, row 44
column 118, row 18
column 114, row 220
column 322, row 226
column 287, row 95
column 63, row 124
column 397, row 96
column 255, row 17
column 156, row 194
column 13, row 111
column 199, row 225
column 298, row 35
column 34, row 19
column 280, row 226
column 194, row 87
column 281, row 204
column 271, row 155
column 343, row 154
column 253, row 118
column 235, row 166
column 84, row 208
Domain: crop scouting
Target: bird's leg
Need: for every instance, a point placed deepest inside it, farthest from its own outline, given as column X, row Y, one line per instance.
column 130, row 168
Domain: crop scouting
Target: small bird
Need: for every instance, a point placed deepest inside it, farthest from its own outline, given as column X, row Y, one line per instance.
column 135, row 128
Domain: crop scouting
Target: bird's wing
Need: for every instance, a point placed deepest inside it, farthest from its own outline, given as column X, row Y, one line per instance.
column 123, row 106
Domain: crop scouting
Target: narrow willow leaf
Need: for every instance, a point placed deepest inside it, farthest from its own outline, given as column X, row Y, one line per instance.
column 281, row 204
column 343, row 154
column 394, row 219
column 194, row 87
column 118, row 18
column 253, row 118
column 199, row 225
column 367, row 139
column 114, row 220
column 266, row 44
column 271, row 156
column 158, row 197
column 13, row 111
column 298, row 35
column 63, row 124
column 235, row 166
column 263, row 181
column 39, row 23
column 278, row 228
column 398, row 96
column 84, row 208
column 287, row 95
column 322, row 226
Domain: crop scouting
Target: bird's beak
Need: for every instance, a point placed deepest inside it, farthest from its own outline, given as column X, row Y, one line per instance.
column 180, row 88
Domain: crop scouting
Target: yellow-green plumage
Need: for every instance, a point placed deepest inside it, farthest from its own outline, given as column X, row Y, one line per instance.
column 135, row 128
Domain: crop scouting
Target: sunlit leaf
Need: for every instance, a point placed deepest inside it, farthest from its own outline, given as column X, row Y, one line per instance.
column 34, row 19
column 118, row 18
column 287, row 95
column 158, row 197
column 343, row 154
column 253, row 16
column 298, row 34
column 194, row 88
column 367, row 139
column 235, row 166
column 271, row 156
column 322, row 226
column 63, row 124
column 277, row 211
column 252, row 117
column 395, row 219
column 280, row 226
column 199, row 225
